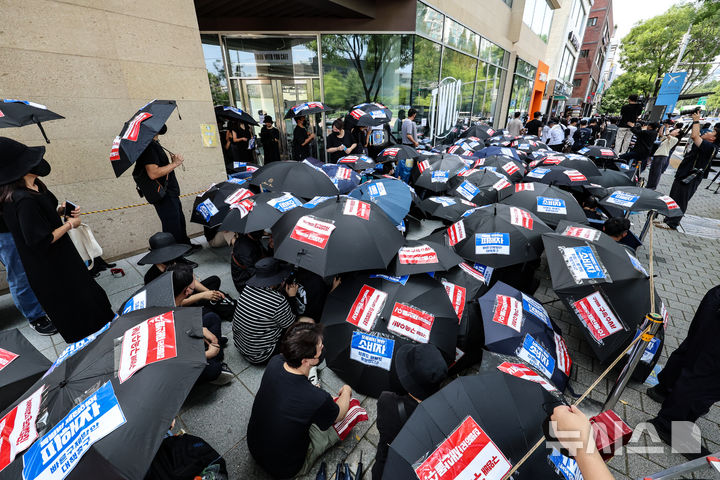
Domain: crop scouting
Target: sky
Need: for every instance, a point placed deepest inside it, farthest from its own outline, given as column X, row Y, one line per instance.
column 628, row 12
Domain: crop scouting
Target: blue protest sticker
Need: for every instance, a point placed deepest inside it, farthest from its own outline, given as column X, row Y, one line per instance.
column 55, row 455
column 73, row 348
column 567, row 466
column 636, row 264
column 444, row 201
column 583, row 150
column 651, row 349
column 485, row 270
column 284, row 203
column 533, row 307
column 136, row 303
column 439, row 176
column 467, row 190
column 582, row 263
column 623, row 199
column 538, row 172
column 551, row 205
column 207, row 209
column 376, row 190
column 315, row 202
column 401, row 280
column 492, row 244
column 238, row 181
column 239, row 164
column 534, row 353
column 372, row 350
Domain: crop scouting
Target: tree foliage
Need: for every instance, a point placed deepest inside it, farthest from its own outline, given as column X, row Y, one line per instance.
column 622, row 87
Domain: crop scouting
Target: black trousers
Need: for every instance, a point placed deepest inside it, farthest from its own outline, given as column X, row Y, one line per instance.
column 682, row 193
column 169, row 209
column 558, row 147
column 692, row 373
column 212, row 370
column 657, row 167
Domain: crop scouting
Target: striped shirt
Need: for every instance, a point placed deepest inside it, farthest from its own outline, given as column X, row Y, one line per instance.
column 260, row 317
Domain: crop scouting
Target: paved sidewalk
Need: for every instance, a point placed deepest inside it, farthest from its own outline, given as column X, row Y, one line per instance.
column 687, row 266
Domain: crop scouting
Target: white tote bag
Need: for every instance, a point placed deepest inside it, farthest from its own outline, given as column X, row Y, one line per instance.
column 85, row 243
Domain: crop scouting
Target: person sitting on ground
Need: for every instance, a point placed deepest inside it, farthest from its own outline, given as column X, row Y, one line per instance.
column 291, row 420
column 215, row 372
column 268, row 305
column 246, row 252
column 617, row 228
column 420, row 369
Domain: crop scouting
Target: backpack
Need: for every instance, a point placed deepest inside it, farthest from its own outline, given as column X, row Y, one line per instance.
column 183, row 457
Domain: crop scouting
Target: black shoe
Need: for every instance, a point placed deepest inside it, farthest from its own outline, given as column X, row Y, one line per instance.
column 223, row 341
column 187, row 262
column 657, row 393
column 194, row 248
column 43, row 326
column 666, row 436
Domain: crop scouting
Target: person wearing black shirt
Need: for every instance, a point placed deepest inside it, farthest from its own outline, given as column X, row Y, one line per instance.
column 534, row 126
column 629, row 114
column 582, row 136
column 645, row 137
column 291, row 420
column 270, row 138
column 246, row 252
column 301, row 140
column 692, row 169
column 239, row 135
column 339, row 142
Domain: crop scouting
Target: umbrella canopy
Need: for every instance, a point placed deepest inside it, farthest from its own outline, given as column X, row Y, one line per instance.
column 433, row 172
column 344, row 178
column 603, row 285
column 299, row 178
column 611, row 178
column 576, row 162
column 157, row 293
column 18, row 113
column 518, row 324
column 640, row 199
column 21, row 365
column 478, row 427
column 602, row 154
column 358, row 163
column 479, row 186
column 547, row 202
column 259, row 212
column 446, row 208
column 393, row 196
column 369, row 114
column 396, row 152
column 500, row 141
column 118, row 416
column 466, row 146
column 479, row 130
column 212, row 206
column 367, row 318
column 138, row 132
column 338, row 235
column 498, row 235
column 421, row 256
column 557, row 175
column 497, row 150
column 234, row 113
column 513, row 169
column 528, row 146
column 307, row 108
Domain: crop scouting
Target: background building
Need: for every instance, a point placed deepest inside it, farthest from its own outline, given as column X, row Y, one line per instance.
column 608, row 73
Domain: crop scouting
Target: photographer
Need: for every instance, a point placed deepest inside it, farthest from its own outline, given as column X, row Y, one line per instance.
column 645, row 137
column 692, row 169
column 668, row 140
column 629, row 114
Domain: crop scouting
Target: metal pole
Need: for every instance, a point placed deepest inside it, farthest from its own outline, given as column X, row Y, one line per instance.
column 683, row 45
column 684, row 468
column 651, row 216
column 654, row 320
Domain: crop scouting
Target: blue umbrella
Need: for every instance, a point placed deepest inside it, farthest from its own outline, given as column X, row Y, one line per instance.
column 344, row 178
column 497, row 150
column 391, row 195
column 517, row 324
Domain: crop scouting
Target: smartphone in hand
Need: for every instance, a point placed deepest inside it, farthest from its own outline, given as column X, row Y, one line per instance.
column 69, row 207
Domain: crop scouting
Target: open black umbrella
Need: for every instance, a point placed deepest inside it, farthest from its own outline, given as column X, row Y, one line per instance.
column 369, row 114
column 18, row 113
column 396, row 153
column 433, row 171
column 367, row 318
column 157, row 293
column 299, row 178
column 513, row 169
column 307, row 108
column 420, row 256
column 466, row 146
column 547, row 202
column 498, row 235
column 21, row 365
column 529, row 146
column 98, row 420
column 339, row 235
column 500, row 141
column 497, row 150
column 640, row 199
column 556, row 175
column 235, row 113
column 479, row 130
column 611, row 178
column 480, row 186
column 446, row 208
column 259, row 212
column 576, row 162
column 478, row 427
column 212, row 206
column 138, row 132
column 603, row 156
column 358, row 163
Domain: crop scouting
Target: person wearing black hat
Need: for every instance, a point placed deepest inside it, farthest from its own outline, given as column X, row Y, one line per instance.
column 420, row 370
column 268, row 305
column 270, row 139
column 60, row 279
column 154, row 175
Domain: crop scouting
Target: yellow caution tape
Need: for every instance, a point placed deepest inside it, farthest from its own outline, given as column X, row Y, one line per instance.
column 134, row 205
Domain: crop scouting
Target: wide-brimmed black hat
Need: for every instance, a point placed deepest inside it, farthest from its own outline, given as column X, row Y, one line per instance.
column 163, row 249
column 17, row 159
column 269, row 272
column 420, row 369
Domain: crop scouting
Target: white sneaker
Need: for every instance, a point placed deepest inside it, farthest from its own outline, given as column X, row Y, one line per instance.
column 314, row 376
column 225, row 376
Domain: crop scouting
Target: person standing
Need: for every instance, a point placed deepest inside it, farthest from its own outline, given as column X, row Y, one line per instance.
column 60, row 279
column 557, row 135
column 668, row 141
column 629, row 114
column 515, row 125
column 581, row 137
column 241, row 139
column 570, row 132
column 409, row 129
column 610, row 133
column 339, row 142
column 301, row 139
column 692, row 169
column 270, row 138
column 534, row 126
column 645, row 137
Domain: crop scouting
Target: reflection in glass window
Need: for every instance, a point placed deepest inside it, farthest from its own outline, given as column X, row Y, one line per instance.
column 461, row 67
column 429, row 21
column 538, row 16
column 461, row 38
column 577, row 19
column 566, row 65
column 215, row 69
column 493, row 53
column 522, row 85
column 488, row 91
column 426, row 69
column 272, row 57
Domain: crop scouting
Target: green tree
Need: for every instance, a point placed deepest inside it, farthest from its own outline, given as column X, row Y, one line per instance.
column 622, row 87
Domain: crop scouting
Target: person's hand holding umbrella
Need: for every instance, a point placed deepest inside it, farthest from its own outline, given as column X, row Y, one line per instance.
column 291, row 289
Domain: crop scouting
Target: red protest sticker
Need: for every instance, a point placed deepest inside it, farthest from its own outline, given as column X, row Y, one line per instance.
column 508, row 311
column 422, row 254
column 115, row 149
column 239, row 194
column 468, row 453
column 367, row 307
column 524, row 187
column 244, row 206
column 6, row 357
column 17, row 428
column 582, row 232
column 357, row 207
column 313, row 231
column 671, row 204
column 607, row 152
column 411, row 322
column 477, row 275
column 562, row 355
column 133, row 128
column 390, row 152
column 553, row 160
column 521, row 370
column 456, row 233
column 521, row 218
column 575, row 176
column 500, row 184
column 357, row 113
column 594, row 311
column 457, row 296
column 510, row 168
column 424, row 165
column 148, row 342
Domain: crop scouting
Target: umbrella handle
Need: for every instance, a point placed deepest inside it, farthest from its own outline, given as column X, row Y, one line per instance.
column 42, row 130
column 168, row 151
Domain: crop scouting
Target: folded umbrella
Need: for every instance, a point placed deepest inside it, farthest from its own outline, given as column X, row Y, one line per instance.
column 396, row 153
column 299, row 178
column 420, row 256
column 479, row 130
column 212, row 206
column 369, row 114
column 481, row 186
column 157, row 293
column 358, row 163
column 21, row 365
column 18, row 113
column 433, row 172
column 369, row 317
column 259, row 212
column 344, row 178
column 638, row 199
column 235, row 113
column 549, row 203
column 446, row 208
column 556, row 175
column 307, row 108
column 393, row 196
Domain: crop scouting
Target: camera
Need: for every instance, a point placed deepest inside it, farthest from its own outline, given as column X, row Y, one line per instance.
column 690, row 110
column 692, row 176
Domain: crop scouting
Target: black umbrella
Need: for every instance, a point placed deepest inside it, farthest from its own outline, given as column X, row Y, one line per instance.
column 234, row 113
column 21, row 365
column 370, row 114
column 480, row 131
column 420, row 256
column 529, row 146
column 367, row 318
column 556, row 175
column 358, row 163
column 307, row 108
column 576, row 162
column 446, row 208
column 603, row 156
column 603, row 285
column 480, row 186
column 478, row 427
column 99, row 420
column 547, row 202
column 396, row 153
column 433, row 171
column 259, row 212
column 157, row 293
column 338, row 235
column 640, row 199
column 500, row 141
column 299, row 178
column 518, row 324
column 611, row 178
column 513, row 169
column 466, row 146
column 18, row 113
column 212, row 206
column 138, row 132
column 498, row 235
